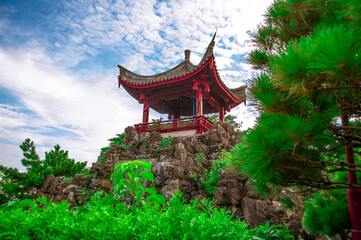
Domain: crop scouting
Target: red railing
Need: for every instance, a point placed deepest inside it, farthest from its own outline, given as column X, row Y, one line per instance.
column 200, row 123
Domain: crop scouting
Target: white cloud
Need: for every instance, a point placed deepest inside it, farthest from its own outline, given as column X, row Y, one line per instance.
column 148, row 36
column 147, row 27
column 51, row 98
column 11, row 156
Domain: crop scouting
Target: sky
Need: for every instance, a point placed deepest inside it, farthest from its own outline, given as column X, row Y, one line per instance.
column 58, row 64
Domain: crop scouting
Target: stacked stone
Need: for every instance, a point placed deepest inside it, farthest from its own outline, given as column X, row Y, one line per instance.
column 175, row 169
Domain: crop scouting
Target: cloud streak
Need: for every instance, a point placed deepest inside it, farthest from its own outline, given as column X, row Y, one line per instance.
column 61, row 74
column 56, row 107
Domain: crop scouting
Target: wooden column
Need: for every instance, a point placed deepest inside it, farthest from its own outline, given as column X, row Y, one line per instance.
column 221, row 114
column 146, row 110
column 199, row 101
column 145, row 100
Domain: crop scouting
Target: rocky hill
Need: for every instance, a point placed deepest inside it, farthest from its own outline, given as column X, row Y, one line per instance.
column 180, row 166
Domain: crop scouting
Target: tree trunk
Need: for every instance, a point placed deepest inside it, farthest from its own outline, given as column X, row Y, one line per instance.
column 353, row 194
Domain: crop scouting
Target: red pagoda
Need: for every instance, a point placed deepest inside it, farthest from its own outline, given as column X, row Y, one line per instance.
column 185, row 93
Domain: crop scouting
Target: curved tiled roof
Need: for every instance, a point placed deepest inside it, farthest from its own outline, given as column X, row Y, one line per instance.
column 181, row 70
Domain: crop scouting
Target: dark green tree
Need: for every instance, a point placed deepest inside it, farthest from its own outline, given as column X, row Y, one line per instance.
column 58, row 163
column 230, row 119
column 308, row 96
column 18, row 185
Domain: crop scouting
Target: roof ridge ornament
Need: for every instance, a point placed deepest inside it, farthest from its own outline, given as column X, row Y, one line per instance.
column 187, row 55
column 209, row 51
column 214, row 35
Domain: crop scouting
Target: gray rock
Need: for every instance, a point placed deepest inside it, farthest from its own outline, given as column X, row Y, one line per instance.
column 70, row 188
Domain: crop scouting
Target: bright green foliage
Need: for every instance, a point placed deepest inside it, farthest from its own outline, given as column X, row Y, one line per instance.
column 308, row 96
column 210, row 179
column 113, row 221
column 199, row 158
column 165, row 142
column 10, row 187
column 105, row 217
column 327, row 214
column 275, row 232
column 230, row 119
column 100, row 199
column 17, row 185
column 118, row 140
column 84, row 197
column 132, row 184
column 309, row 53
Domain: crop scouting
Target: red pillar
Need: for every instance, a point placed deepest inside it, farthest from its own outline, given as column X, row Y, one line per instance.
column 146, row 110
column 199, row 102
column 353, row 194
column 221, row 114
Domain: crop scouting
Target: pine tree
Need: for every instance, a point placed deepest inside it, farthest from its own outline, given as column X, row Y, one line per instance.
column 58, row 163
column 17, row 185
column 309, row 98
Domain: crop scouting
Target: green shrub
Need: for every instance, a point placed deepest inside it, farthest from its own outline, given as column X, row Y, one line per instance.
column 209, row 179
column 287, row 203
column 230, row 119
column 132, row 184
column 327, row 214
column 107, row 218
column 175, row 221
column 275, row 232
column 165, row 142
column 118, row 140
column 17, row 185
column 199, row 158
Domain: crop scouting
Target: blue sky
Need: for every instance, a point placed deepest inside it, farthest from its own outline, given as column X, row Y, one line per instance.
column 58, row 74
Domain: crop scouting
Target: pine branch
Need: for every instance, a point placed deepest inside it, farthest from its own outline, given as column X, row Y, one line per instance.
column 343, row 170
column 323, row 164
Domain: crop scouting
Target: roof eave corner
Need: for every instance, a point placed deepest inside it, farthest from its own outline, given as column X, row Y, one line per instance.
column 122, row 70
column 239, row 93
column 209, row 52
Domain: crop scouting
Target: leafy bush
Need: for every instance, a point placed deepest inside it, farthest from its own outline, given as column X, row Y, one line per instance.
column 230, row 119
column 275, row 232
column 118, row 140
column 165, row 142
column 103, row 221
column 132, row 184
column 199, row 158
column 210, row 179
column 18, row 184
column 107, row 218
column 327, row 214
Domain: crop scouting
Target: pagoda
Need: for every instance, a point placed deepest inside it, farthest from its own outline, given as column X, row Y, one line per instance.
column 185, row 92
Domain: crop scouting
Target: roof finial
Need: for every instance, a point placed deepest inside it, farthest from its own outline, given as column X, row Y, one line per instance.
column 214, row 36
column 187, row 54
